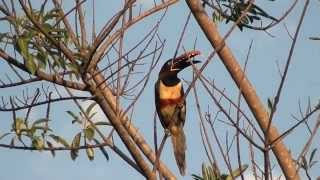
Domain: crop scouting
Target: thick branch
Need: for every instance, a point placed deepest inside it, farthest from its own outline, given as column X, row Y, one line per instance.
column 209, row 28
column 118, row 126
column 110, row 102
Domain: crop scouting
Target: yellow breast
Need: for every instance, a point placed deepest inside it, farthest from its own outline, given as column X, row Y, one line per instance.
column 170, row 92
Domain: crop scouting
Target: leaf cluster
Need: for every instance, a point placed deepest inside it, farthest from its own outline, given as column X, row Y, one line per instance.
column 36, row 49
column 231, row 11
column 88, row 132
column 35, row 132
column 211, row 173
column 308, row 164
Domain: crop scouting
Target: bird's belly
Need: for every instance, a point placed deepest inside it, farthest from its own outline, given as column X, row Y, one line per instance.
column 168, row 111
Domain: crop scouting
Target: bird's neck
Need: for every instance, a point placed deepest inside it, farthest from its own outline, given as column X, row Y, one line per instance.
column 171, row 80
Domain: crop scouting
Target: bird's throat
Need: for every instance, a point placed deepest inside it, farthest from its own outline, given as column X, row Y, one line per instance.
column 172, row 92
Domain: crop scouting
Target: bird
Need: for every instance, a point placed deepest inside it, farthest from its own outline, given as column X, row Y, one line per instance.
column 171, row 105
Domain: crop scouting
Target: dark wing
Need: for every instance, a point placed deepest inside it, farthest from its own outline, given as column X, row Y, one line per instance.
column 157, row 103
column 182, row 114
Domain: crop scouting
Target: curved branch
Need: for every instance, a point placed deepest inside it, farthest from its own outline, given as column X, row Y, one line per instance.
column 23, row 82
column 98, row 145
column 42, row 75
column 54, row 148
column 44, row 102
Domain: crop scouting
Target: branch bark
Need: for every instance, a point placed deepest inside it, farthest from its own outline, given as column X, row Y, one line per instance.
column 209, row 28
column 124, row 126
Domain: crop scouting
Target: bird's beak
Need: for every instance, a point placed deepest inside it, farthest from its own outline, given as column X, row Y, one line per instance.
column 195, row 61
column 185, row 60
column 188, row 55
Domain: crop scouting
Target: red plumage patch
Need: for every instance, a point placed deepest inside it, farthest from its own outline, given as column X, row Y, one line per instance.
column 169, row 102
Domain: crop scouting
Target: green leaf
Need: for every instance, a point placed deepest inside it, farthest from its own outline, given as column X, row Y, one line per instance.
column 4, row 135
column 22, row 46
column 76, row 141
column 75, row 144
column 31, row 132
column 92, row 114
column 314, row 38
column 75, row 69
column 196, row 177
column 24, row 51
column 2, row 35
column 270, row 104
column 225, row 177
column 60, row 140
column 76, row 121
column 75, row 117
column 312, row 155
column 90, row 107
column 103, row 150
column 53, row 153
column 208, row 172
column 51, row 15
column 34, row 128
column 42, row 58
column 237, row 172
column 19, row 125
column 211, row 173
column 255, row 18
column 37, row 142
column 90, row 153
column 312, row 163
column 74, row 154
column 30, row 64
column 304, row 164
column 216, row 16
column 89, row 132
column 39, row 121
column 47, row 27
column 245, row 20
column 12, row 141
column 102, row 123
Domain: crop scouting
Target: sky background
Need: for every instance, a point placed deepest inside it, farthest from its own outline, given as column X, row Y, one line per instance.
column 302, row 83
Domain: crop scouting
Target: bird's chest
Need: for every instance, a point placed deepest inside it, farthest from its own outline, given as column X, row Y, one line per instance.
column 171, row 104
column 170, row 97
column 170, row 92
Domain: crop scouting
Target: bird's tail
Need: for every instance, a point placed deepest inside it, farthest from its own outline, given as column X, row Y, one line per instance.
column 179, row 147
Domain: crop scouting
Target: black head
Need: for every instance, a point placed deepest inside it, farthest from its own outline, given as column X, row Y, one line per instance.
column 173, row 66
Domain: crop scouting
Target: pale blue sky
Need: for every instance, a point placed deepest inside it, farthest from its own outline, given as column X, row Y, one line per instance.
column 303, row 82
